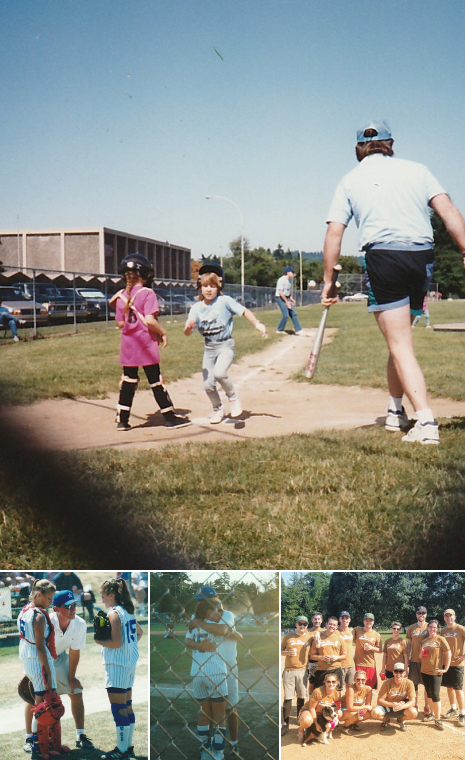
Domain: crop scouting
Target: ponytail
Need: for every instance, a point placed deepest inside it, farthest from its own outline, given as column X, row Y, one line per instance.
column 41, row 587
column 119, row 588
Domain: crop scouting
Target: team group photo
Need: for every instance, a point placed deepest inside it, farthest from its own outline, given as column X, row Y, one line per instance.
column 366, row 674
column 74, row 663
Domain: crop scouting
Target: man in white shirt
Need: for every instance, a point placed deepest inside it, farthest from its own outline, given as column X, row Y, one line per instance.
column 285, row 301
column 390, row 200
column 70, row 634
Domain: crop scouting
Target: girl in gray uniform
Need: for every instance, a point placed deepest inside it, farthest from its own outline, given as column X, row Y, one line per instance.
column 120, row 654
column 213, row 316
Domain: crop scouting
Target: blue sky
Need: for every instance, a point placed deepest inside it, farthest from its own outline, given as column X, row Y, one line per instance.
column 127, row 114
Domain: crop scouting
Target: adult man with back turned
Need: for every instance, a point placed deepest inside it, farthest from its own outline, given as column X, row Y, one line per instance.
column 390, row 200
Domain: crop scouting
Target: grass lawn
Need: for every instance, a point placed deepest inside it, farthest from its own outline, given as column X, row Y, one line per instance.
column 335, row 500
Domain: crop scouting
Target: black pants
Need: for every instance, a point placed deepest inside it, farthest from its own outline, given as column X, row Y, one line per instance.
column 129, row 383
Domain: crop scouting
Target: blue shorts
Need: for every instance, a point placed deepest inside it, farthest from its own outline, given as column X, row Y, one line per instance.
column 398, row 278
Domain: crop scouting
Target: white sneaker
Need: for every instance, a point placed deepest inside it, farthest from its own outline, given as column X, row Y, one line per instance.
column 423, row 432
column 217, row 416
column 299, row 332
column 396, row 421
column 235, row 406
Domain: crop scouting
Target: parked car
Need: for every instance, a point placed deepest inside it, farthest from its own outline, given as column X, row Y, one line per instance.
column 181, row 304
column 84, row 309
column 58, row 305
column 21, row 307
column 356, row 297
column 97, row 300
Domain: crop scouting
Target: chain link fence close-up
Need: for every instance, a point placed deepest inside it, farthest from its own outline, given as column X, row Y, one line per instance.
column 214, row 665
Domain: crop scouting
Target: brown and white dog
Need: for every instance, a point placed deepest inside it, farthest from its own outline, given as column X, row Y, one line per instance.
column 327, row 719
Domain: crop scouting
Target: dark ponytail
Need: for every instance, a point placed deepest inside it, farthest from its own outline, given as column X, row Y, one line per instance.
column 119, row 588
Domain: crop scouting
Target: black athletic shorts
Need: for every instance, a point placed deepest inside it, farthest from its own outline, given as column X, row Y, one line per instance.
column 453, row 678
column 398, row 278
column 432, row 686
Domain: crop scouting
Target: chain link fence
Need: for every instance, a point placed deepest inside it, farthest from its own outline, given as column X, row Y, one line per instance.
column 175, row 712
column 65, row 301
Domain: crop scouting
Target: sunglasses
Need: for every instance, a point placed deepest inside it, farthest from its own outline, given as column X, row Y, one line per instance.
column 70, row 606
column 394, row 628
column 304, row 624
column 330, row 681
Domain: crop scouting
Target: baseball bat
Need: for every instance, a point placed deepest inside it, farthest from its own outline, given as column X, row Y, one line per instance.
column 317, row 343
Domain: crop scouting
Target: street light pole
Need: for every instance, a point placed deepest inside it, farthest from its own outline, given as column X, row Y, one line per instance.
column 228, row 200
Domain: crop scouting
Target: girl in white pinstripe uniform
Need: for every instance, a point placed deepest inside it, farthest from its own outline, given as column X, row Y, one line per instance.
column 210, row 680
column 36, row 645
column 120, row 655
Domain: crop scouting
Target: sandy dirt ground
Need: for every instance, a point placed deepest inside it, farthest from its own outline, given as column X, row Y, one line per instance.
column 421, row 739
column 273, row 405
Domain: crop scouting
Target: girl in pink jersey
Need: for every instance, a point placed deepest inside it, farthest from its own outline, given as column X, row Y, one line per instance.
column 136, row 315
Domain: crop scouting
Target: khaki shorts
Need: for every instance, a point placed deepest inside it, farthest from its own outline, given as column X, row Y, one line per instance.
column 62, row 675
column 295, row 682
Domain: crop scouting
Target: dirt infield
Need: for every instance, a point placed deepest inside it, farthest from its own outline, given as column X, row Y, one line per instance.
column 273, row 404
column 421, row 740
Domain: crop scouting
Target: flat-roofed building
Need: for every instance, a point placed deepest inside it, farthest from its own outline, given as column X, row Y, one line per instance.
column 96, row 251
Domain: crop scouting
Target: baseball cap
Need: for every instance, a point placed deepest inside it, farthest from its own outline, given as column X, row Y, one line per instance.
column 63, row 599
column 205, row 592
column 368, row 615
column 381, row 127
column 288, row 269
column 347, row 614
column 452, row 612
column 301, row 617
column 421, row 609
column 399, row 666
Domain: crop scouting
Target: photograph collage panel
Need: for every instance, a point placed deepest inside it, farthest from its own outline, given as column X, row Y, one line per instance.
column 231, row 664
column 74, row 664
column 373, row 661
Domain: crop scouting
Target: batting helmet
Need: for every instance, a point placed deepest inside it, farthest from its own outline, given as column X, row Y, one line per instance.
column 211, row 266
column 136, row 262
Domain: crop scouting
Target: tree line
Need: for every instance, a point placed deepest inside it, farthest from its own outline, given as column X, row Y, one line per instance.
column 388, row 595
column 263, row 266
column 175, row 592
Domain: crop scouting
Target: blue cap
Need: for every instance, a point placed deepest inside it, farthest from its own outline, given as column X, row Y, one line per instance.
column 288, row 269
column 344, row 614
column 381, row 127
column 205, row 592
column 63, row 599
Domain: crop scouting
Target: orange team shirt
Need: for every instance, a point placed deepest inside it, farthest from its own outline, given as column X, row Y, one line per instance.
column 394, row 649
column 455, row 637
column 329, row 644
column 301, row 643
column 319, row 699
column 361, row 637
column 360, row 697
column 435, row 649
column 414, row 635
column 405, row 692
column 347, row 638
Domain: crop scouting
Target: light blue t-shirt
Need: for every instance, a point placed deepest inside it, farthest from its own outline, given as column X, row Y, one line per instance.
column 388, row 198
column 215, row 322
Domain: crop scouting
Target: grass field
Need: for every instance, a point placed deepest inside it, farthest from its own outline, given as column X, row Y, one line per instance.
column 200, row 505
column 173, row 710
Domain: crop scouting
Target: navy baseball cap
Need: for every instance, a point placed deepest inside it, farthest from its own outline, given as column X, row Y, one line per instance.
column 288, row 269
column 205, row 592
column 63, row 599
column 381, row 127
column 344, row 614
